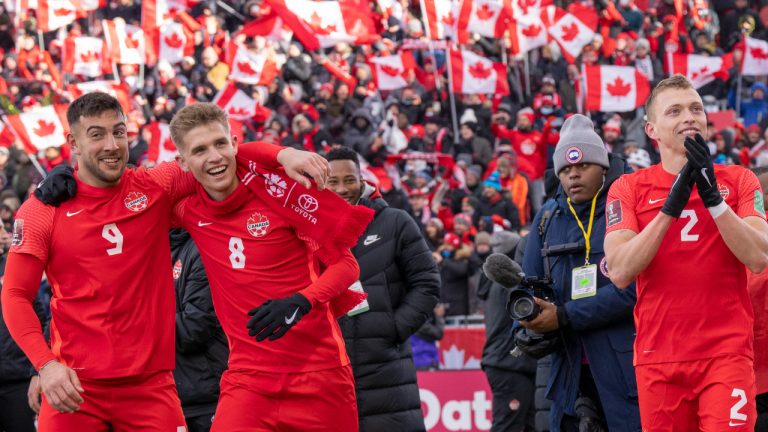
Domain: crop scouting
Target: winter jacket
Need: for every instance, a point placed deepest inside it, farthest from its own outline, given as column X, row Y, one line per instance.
column 399, row 275
column 356, row 139
column 201, row 347
column 455, row 272
column 424, row 343
column 755, row 110
column 601, row 327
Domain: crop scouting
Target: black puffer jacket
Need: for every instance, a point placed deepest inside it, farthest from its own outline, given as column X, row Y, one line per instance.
column 401, row 279
column 201, row 347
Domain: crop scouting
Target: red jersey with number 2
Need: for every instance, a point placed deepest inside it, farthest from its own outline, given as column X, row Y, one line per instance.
column 692, row 299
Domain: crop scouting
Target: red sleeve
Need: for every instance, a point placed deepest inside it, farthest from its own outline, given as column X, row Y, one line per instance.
column 32, row 229
column 335, row 280
column 20, row 285
column 750, row 196
column 174, row 181
column 620, row 207
column 262, row 153
column 501, row 131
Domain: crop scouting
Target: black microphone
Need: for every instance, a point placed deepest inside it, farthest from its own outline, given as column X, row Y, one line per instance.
column 501, row 269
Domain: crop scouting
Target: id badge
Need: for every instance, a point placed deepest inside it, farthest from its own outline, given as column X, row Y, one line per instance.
column 363, row 306
column 584, row 282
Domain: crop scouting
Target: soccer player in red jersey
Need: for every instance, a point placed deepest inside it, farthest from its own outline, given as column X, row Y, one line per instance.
column 688, row 251
column 106, row 255
column 257, row 256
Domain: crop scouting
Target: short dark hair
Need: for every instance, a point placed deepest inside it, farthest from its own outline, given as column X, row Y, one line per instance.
column 343, row 153
column 92, row 105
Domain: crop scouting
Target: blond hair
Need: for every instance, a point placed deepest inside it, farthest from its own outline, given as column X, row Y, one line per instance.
column 676, row 81
column 192, row 116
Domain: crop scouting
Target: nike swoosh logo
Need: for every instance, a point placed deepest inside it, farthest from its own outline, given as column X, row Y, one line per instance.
column 202, row 224
column 371, row 240
column 70, row 214
column 704, row 176
column 289, row 321
column 654, row 201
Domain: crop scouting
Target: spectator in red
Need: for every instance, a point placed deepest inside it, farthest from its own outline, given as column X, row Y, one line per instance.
column 516, row 184
column 494, row 203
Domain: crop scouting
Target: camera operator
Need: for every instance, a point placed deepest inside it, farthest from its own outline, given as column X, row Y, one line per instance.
column 592, row 379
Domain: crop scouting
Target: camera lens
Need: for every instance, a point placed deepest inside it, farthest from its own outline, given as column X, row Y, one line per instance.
column 523, row 307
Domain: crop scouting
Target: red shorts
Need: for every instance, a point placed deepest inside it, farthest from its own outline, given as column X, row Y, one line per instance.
column 145, row 403
column 311, row 401
column 709, row 395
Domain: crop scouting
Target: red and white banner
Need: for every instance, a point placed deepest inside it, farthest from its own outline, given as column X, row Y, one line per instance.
column 615, row 88
column 40, row 128
column 270, row 27
column 118, row 90
column 324, row 24
column 126, row 43
column 528, row 7
column 6, row 135
column 161, row 147
column 236, row 102
column 249, row 67
column 527, row 32
column 488, row 18
column 390, row 72
column 54, row 14
column 175, row 42
column 474, row 74
column 156, row 12
column 699, row 69
column 455, row 400
column 440, row 18
column 755, row 61
column 567, row 30
column 84, row 55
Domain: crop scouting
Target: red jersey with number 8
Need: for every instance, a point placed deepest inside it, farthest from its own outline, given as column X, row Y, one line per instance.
column 692, row 299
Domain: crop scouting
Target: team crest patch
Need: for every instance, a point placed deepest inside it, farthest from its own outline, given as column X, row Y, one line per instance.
column 257, row 225
column 136, row 201
column 18, row 232
column 613, row 213
column 177, row 269
column 724, row 191
column 573, row 155
column 604, row 267
column 275, row 185
column 759, row 204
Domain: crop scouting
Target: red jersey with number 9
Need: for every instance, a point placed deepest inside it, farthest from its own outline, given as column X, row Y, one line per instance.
column 692, row 299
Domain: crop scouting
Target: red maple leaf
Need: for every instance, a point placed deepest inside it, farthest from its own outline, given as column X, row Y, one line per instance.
column 699, row 73
column 316, row 22
column 44, row 128
column 89, row 56
column 618, row 87
column 525, row 4
column 174, row 41
column 758, row 53
column 62, row 12
column 484, row 12
column 245, row 67
column 479, row 71
column 132, row 42
column 532, row 31
column 448, row 19
column 390, row 70
column 570, row 32
column 238, row 111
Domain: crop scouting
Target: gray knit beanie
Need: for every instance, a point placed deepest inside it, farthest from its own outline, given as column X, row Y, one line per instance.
column 579, row 143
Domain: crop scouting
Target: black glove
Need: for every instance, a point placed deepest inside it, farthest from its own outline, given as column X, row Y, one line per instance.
column 679, row 193
column 704, row 172
column 275, row 317
column 58, row 187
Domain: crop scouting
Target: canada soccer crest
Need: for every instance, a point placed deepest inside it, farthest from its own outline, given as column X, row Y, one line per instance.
column 257, row 225
column 724, row 191
column 136, row 201
column 177, row 269
column 275, row 185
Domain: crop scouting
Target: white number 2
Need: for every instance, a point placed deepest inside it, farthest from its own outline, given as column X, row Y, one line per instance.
column 114, row 236
column 735, row 414
column 685, row 232
column 237, row 258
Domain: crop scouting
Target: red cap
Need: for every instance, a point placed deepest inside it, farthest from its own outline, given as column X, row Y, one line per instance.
column 452, row 239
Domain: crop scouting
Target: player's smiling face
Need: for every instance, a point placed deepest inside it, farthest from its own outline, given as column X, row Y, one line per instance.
column 208, row 152
column 101, row 145
column 677, row 114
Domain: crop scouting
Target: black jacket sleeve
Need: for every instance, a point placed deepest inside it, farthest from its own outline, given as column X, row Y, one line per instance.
column 195, row 320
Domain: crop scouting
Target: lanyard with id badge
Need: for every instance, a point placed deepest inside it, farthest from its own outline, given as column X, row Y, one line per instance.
column 584, row 278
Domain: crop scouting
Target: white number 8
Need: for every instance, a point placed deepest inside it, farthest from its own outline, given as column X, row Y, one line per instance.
column 237, row 258
column 114, row 236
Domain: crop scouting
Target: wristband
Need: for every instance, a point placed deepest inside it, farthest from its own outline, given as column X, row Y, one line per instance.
column 718, row 210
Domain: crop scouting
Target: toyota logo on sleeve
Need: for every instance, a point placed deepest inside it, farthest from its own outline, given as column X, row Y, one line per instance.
column 308, row 203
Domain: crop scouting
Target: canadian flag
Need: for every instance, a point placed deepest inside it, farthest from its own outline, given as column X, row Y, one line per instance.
column 126, row 42
column 156, row 12
column 249, row 67
column 40, row 128
column 326, row 23
column 175, row 42
column 441, row 18
column 755, row 59
column 236, row 102
column 527, row 32
column 568, row 30
column 485, row 17
column 390, row 71
column 528, row 7
column 118, row 90
column 473, row 74
column 90, row 5
column 54, row 14
column 699, row 69
column 6, row 136
column 161, row 146
column 615, row 88
column 84, row 55
column 269, row 26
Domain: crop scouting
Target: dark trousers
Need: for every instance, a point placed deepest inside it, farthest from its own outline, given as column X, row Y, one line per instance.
column 587, row 388
column 200, row 423
column 762, row 413
column 15, row 414
column 513, row 400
